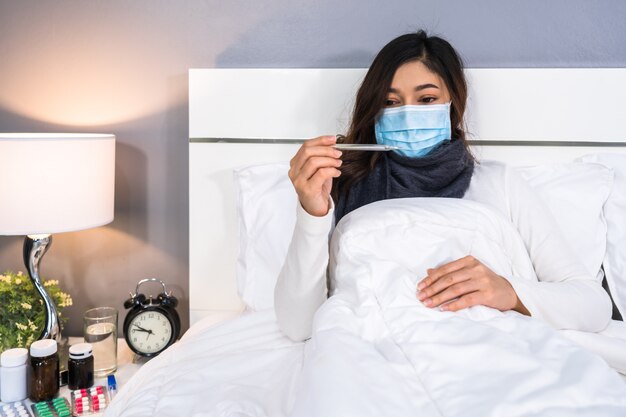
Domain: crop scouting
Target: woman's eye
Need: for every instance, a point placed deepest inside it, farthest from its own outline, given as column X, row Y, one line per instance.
column 391, row 102
column 428, row 99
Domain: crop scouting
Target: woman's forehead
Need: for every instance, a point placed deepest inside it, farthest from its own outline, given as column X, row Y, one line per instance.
column 415, row 73
column 415, row 77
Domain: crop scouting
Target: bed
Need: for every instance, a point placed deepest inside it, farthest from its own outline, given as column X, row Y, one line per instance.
column 245, row 124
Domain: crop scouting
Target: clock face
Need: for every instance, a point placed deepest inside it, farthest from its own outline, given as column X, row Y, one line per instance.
column 149, row 332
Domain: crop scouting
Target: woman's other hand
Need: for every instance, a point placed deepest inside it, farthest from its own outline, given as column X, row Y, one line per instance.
column 468, row 282
column 312, row 170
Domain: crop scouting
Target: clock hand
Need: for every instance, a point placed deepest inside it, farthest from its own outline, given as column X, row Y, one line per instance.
column 141, row 328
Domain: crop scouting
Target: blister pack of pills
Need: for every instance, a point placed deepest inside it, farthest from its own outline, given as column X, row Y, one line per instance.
column 16, row 409
column 89, row 401
column 58, row 407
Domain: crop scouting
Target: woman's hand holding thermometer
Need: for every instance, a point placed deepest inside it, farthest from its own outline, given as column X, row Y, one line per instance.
column 316, row 164
column 312, row 170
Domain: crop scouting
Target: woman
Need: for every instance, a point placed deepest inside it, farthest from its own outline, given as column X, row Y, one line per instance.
column 414, row 97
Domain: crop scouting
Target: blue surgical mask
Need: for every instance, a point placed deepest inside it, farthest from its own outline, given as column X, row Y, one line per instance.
column 416, row 130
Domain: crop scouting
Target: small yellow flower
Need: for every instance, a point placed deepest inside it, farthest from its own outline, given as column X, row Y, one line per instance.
column 26, row 306
column 18, row 281
column 19, row 273
column 21, row 326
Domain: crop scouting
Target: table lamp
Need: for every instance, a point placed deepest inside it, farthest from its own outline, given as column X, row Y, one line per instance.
column 52, row 183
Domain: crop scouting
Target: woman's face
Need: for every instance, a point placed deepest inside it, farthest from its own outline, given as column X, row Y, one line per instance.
column 415, row 84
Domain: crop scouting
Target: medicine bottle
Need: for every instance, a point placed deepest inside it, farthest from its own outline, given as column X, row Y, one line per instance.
column 44, row 370
column 13, row 375
column 80, row 366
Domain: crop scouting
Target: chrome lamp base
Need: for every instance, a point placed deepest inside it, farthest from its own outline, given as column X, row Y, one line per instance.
column 35, row 246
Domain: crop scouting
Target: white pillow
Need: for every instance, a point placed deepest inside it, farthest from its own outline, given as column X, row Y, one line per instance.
column 615, row 214
column 266, row 213
column 266, row 209
column 575, row 194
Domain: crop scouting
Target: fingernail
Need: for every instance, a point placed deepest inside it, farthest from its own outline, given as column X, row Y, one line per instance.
column 428, row 302
column 421, row 286
column 421, row 296
column 444, row 308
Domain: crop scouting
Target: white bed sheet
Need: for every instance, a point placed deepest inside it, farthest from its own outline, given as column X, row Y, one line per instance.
column 240, row 367
column 228, row 359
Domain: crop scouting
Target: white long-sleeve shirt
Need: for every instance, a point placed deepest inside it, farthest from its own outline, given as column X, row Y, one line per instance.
column 566, row 295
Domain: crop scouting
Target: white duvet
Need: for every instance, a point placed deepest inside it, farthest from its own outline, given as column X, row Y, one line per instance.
column 376, row 350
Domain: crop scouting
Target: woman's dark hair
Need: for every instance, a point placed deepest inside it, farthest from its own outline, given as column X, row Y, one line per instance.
column 439, row 57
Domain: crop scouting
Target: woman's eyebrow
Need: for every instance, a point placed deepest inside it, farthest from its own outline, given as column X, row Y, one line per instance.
column 417, row 88
column 425, row 86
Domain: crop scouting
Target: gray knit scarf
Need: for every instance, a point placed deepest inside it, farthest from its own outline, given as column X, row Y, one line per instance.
column 445, row 172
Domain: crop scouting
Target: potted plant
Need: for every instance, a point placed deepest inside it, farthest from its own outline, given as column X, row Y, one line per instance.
column 22, row 312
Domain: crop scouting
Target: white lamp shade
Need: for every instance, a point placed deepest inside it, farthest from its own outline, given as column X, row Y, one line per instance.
column 51, row 183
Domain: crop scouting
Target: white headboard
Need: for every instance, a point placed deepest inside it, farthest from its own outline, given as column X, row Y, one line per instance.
column 240, row 117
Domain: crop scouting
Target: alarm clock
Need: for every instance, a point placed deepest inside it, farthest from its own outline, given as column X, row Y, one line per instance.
column 151, row 326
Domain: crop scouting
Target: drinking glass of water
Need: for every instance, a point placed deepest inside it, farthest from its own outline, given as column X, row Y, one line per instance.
column 100, row 328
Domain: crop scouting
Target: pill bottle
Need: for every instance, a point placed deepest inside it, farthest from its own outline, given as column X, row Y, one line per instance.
column 80, row 366
column 44, row 370
column 13, row 375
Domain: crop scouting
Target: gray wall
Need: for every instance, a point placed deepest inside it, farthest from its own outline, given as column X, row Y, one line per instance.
column 121, row 66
